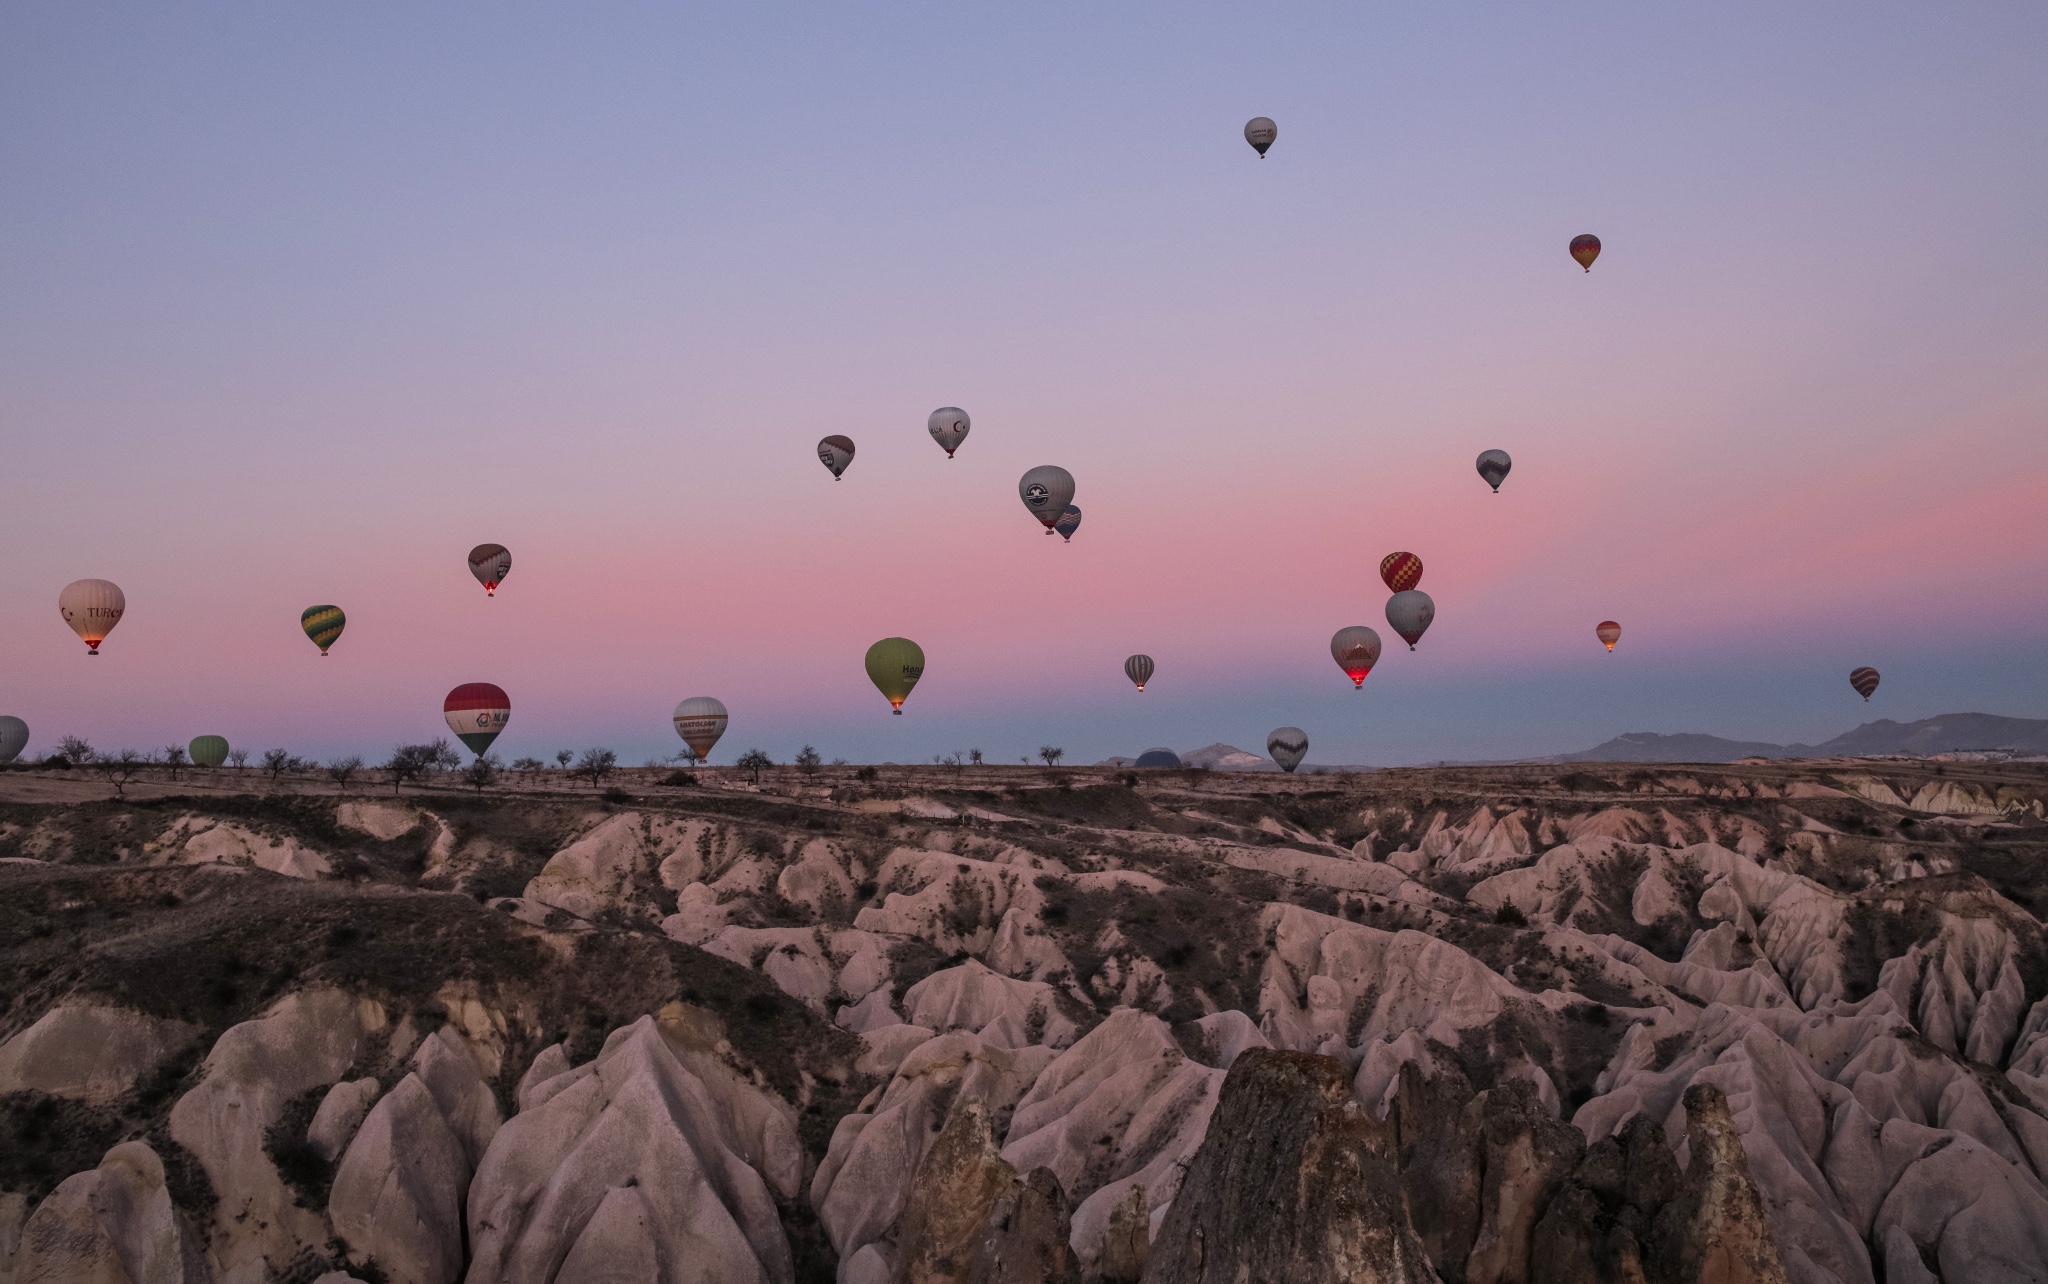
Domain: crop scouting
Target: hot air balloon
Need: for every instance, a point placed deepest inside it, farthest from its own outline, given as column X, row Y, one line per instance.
column 949, row 425
column 490, row 563
column 1139, row 670
column 1608, row 632
column 1046, row 491
column 1158, row 758
column 894, row 666
column 1356, row 650
column 13, row 738
column 476, row 713
column 1409, row 612
column 323, row 624
column 208, row 751
column 1401, row 571
column 1260, row 131
column 835, row 452
column 1864, row 680
column 1493, row 465
column 1069, row 522
column 92, row 608
column 1287, row 746
column 700, row 721
column 1585, row 249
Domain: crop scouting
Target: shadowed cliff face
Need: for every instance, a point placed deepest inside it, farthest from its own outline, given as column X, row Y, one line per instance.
column 1587, row 1022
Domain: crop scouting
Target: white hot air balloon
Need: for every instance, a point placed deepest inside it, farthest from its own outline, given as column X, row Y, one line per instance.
column 92, row 608
column 1409, row 612
column 1260, row 131
column 949, row 426
column 1287, row 746
column 1047, row 490
column 700, row 721
column 13, row 738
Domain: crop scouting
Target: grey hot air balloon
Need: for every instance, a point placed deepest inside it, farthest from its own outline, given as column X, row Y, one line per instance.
column 1260, row 131
column 1287, row 746
column 949, row 426
column 700, row 721
column 1139, row 670
column 1355, row 649
column 1047, row 490
column 13, row 738
column 1409, row 612
column 835, row 452
column 1493, row 465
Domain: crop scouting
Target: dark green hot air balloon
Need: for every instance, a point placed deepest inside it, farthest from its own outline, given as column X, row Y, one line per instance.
column 894, row 666
column 323, row 624
column 208, row 751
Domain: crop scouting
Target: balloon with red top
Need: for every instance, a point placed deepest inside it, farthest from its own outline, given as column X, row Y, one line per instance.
column 476, row 713
column 1401, row 571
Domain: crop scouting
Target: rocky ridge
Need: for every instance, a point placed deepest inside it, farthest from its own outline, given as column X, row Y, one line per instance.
column 1768, row 1022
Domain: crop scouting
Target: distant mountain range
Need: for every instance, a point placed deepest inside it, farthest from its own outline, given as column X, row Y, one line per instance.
column 1949, row 733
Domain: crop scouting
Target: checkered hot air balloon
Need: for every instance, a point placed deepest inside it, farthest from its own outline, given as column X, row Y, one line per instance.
column 323, row 624
column 1864, row 680
column 476, row 713
column 1401, row 571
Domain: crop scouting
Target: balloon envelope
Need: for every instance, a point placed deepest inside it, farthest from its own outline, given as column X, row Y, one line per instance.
column 1608, row 632
column 1069, row 522
column 949, row 425
column 490, row 563
column 1047, row 490
column 1585, row 249
column 92, row 608
column 13, row 738
column 1260, row 131
column 1864, row 680
column 208, row 751
column 1159, row 758
column 1287, row 746
column 1139, row 670
column 1401, row 571
column 835, row 452
column 894, row 666
column 1409, row 612
column 1356, row 650
column 323, row 624
column 700, row 721
column 476, row 713
column 1493, row 465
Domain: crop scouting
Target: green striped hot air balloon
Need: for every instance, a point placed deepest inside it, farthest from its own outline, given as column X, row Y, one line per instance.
column 323, row 624
column 894, row 666
column 208, row 751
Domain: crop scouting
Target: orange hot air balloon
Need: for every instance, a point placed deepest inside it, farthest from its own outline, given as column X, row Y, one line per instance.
column 1585, row 249
column 1401, row 571
column 1609, row 632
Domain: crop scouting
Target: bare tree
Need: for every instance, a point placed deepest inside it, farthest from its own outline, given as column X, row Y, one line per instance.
column 1051, row 753
column 75, row 750
column 596, row 764
column 174, row 758
column 564, row 758
column 808, row 761
column 974, row 756
column 238, row 757
column 483, row 773
column 343, row 770
column 120, row 768
column 754, row 762
column 411, row 764
column 529, row 768
column 445, row 757
column 276, row 762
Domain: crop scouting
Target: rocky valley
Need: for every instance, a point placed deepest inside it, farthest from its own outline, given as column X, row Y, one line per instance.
column 1781, row 1021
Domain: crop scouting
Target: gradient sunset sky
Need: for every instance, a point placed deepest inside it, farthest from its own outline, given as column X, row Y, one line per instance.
column 299, row 302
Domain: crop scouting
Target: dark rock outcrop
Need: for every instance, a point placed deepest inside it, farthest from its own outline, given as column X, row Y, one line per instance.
column 969, row 1220
column 1295, row 1182
column 1716, row 1230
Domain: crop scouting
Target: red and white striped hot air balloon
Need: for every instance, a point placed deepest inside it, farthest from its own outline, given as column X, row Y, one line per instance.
column 476, row 713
